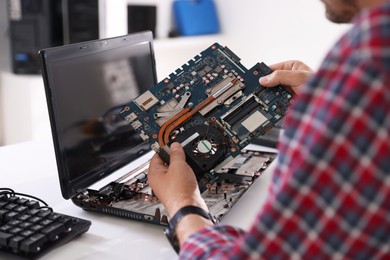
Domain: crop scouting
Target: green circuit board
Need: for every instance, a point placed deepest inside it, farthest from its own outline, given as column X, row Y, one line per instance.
column 212, row 105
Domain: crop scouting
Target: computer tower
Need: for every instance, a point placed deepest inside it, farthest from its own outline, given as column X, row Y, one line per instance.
column 141, row 18
column 33, row 24
column 80, row 20
column 38, row 24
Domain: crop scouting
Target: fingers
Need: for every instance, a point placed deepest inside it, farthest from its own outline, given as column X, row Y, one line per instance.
column 287, row 65
column 158, row 165
column 156, row 161
column 176, row 153
column 290, row 65
column 284, row 77
column 291, row 73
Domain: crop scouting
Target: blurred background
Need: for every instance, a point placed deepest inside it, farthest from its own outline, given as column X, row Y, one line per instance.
column 256, row 30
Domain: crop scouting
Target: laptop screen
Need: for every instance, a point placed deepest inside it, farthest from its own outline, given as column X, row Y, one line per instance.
column 86, row 86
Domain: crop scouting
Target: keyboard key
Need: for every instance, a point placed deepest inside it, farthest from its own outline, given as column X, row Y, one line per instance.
column 15, row 230
column 46, row 222
column 54, row 216
column 20, row 209
column 13, row 199
column 24, row 217
column 36, row 228
column 3, row 212
column 32, row 212
column 44, row 213
column 10, row 206
column 34, row 243
column 5, row 228
column 26, row 233
column 14, row 242
column 32, row 204
column 10, row 215
column 4, row 237
column 14, row 223
column 3, row 197
column 53, row 231
column 22, row 201
column 67, row 221
column 25, row 225
column 34, row 219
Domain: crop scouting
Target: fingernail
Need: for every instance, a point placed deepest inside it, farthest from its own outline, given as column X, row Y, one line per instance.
column 175, row 146
column 264, row 79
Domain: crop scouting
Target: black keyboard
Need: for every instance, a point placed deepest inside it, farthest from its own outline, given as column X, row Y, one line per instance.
column 30, row 229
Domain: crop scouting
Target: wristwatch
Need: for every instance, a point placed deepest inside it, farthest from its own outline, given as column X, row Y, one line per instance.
column 170, row 231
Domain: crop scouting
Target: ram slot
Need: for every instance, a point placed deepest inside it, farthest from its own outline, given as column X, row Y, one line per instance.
column 241, row 112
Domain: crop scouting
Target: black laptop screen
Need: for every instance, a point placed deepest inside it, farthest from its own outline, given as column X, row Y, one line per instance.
column 87, row 86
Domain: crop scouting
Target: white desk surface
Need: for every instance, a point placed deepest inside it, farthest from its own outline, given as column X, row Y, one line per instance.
column 31, row 168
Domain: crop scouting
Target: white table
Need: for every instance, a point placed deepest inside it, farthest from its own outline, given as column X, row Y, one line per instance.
column 31, row 168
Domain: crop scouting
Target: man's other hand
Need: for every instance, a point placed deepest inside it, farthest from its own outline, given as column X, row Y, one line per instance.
column 291, row 74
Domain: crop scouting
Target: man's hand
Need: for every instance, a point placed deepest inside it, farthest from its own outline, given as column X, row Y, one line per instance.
column 291, row 74
column 175, row 185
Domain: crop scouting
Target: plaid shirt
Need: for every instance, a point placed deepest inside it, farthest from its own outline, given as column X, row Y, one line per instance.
column 330, row 196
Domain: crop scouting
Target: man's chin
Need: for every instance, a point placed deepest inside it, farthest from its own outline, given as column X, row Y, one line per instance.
column 339, row 19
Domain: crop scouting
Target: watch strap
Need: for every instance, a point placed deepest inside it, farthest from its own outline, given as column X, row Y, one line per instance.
column 170, row 231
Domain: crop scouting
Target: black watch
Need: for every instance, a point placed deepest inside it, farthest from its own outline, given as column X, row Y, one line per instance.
column 170, row 231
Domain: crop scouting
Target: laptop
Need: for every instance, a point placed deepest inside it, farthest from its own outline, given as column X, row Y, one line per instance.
column 102, row 161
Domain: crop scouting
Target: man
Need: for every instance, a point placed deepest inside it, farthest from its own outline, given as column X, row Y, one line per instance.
column 330, row 196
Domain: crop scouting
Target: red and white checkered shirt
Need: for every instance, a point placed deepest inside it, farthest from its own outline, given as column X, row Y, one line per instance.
column 330, row 196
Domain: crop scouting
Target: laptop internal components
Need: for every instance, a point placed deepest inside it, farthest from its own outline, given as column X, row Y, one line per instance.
column 131, row 197
column 212, row 105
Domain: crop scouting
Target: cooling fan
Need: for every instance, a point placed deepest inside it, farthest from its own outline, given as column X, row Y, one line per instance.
column 205, row 148
column 204, row 145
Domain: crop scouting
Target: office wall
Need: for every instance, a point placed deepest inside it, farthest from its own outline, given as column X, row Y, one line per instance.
column 277, row 30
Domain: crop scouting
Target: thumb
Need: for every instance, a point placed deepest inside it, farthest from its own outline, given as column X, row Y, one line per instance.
column 273, row 79
column 291, row 78
column 176, row 153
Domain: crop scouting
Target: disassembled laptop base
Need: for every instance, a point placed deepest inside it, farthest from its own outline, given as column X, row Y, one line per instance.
column 130, row 195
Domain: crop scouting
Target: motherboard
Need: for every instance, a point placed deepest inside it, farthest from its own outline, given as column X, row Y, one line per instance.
column 213, row 106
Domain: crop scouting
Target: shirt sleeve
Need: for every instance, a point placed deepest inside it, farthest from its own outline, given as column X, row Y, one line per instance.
column 207, row 243
column 329, row 198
